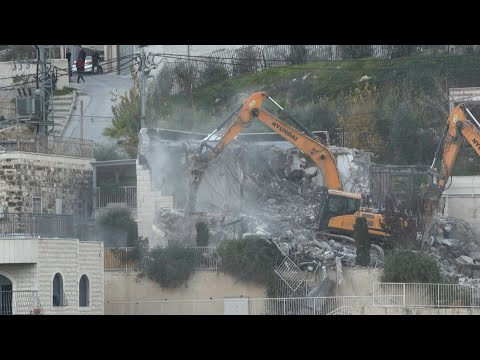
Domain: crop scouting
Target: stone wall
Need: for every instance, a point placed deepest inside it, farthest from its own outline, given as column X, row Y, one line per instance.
column 90, row 263
column 22, row 276
column 72, row 259
column 27, row 175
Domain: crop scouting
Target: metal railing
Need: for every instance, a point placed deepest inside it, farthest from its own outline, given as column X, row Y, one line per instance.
column 256, row 306
column 386, row 295
column 125, row 195
column 52, row 145
column 231, row 63
column 430, row 295
column 24, row 302
column 210, row 259
column 120, row 259
column 14, row 225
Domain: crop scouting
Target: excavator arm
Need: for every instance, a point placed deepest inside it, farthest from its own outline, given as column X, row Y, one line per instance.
column 321, row 156
column 458, row 128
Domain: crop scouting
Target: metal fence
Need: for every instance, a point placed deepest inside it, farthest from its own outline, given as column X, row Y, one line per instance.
column 430, row 295
column 25, row 302
column 47, row 226
column 399, row 295
column 181, row 75
column 210, row 259
column 120, row 259
column 125, row 195
column 258, row 306
column 52, row 145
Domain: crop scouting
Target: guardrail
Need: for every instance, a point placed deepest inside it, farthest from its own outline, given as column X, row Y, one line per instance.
column 120, row 259
column 126, row 195
column 14, row 225
column 52, row 145
column 430, row 295
column 210, row 259
column 24, row 302
column 256, row 306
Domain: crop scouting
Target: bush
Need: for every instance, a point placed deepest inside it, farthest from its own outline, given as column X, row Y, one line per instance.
column 355, row 51
column 122, row 218
column 250, row 259
column 298, row 54
column 171, row 266
column 105, row 152
column 213, row 73
column 246, row 61
column 411, row 267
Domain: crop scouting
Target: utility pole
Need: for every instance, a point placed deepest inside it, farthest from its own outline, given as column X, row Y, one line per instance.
column 81, row 119
column 144, row 88
column 46, row 88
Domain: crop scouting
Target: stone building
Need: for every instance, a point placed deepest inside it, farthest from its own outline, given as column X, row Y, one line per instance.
column 51, row 276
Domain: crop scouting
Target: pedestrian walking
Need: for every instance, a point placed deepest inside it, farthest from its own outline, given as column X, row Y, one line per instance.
column 80, row 69
column 68, row 55
column 95, row 60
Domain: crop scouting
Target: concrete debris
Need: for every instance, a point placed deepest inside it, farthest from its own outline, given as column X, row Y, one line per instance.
column 272, row 191
column 338, row 263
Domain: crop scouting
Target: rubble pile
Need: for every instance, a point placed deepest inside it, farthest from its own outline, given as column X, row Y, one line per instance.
column 457, row 248
column 280, row 190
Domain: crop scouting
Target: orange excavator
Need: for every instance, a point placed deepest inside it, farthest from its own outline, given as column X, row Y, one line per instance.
column 337, row 210
column 457, row 129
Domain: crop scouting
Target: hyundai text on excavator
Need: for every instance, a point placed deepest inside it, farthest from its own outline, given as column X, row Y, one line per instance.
column 337, row 210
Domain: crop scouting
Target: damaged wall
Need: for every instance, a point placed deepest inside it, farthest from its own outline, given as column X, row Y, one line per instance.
column 163, row 175
column 54, row 179
column 201, row 285
column 462, row 200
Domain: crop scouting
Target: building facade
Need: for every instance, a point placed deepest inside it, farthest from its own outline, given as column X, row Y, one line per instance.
column 51, row 276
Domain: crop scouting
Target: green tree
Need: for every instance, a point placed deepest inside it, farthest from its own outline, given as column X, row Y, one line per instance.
column 362, row 241
column 126, row 119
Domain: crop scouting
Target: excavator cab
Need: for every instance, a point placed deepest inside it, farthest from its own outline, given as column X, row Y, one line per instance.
column 334, row 203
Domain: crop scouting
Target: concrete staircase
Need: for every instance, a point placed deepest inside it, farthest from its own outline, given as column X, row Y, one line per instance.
column 62, row 108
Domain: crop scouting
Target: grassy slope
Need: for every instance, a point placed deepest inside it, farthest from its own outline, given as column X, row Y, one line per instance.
column 330, row 79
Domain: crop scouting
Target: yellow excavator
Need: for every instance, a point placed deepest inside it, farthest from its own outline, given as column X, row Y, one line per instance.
column 337, row 210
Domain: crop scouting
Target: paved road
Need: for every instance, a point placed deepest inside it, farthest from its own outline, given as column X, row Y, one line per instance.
column 97, row 101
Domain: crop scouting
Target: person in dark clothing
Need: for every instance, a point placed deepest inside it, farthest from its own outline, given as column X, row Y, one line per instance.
column 95, row 60
column 68, row 56
column 80, row 69
column 82, row 54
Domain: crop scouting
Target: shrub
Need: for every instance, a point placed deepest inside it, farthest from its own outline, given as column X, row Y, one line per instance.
column 251, row 258
column 213, row 73
column 171, row 266
column 411, row 267
column 104, row 152
column 122, row 218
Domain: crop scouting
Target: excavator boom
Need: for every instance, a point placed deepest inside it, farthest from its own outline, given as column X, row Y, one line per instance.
column 458, row 128
column 321, row 156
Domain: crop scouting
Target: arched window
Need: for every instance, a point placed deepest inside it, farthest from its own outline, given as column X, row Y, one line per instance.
column 84, row 291
column 58, row 299
column 5, row 296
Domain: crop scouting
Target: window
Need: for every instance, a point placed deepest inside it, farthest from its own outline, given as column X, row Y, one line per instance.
column 353, row 205
column 58, row 298
column 336, row 205
column 84, row 292
column 37, row 205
